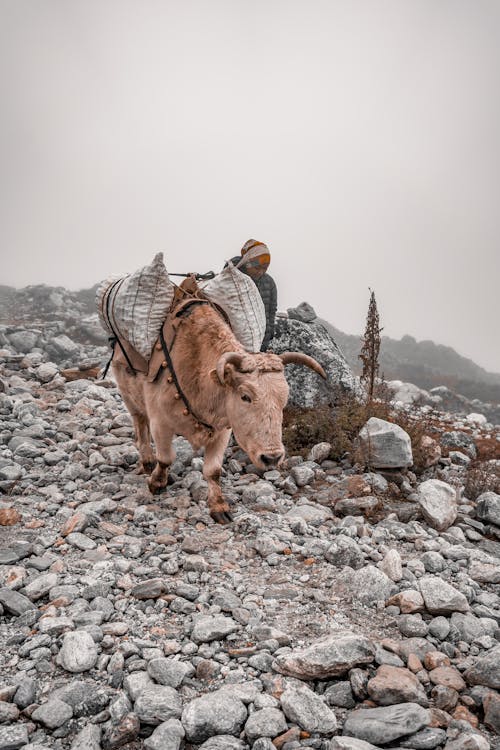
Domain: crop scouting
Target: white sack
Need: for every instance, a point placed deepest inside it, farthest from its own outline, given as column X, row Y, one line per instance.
column 240, row 299
column 135, row 306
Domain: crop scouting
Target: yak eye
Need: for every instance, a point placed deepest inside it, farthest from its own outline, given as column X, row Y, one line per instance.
column 246, row 398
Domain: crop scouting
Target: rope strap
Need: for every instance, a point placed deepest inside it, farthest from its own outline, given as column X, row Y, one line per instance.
column 177, row 384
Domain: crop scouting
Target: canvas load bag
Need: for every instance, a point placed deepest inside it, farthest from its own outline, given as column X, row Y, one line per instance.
column 240, row 299
column 135, row 306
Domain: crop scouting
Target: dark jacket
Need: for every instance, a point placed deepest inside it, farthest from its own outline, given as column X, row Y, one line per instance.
column 269, row 293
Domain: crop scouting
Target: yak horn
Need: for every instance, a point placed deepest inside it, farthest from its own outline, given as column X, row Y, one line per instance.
column 297, row 358
column 229, row 358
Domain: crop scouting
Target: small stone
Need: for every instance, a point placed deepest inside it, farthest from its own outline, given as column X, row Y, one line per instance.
column 13, row 737
column 486, row 670
column 408, row 601
column 14, row 602
column 88, row 738
column 213, row 714
column 158, row 704
column 151, row 589
column 488, row 507
column 305, row 708
column 52, row 714
column 328, row 657
column 396, row 685
column 169, row 671
column 491, row 706
column 125, row 731
column 441, row 597
column 213, row 627
column 449, row 677
column 384, row 725
column 9, row 517
column 166, row 736
column 391, row 565
column 78, row 652
column 268, row 722
column 8, row 712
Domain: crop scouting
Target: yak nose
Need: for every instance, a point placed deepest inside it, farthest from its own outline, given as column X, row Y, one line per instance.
column 271, row 459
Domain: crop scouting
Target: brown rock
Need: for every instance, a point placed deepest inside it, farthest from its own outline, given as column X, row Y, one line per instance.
column 414, row 663
column 408, row 601
column 396, row 685
column 9, row 516
column 35, row 523
column 447, row 676
column 444, row 698
column 122, row 733
column 491, row 705
column 435, row 659
column 439, row 718
column 291, row 735
column 430, row 451
column 461, row 713
column 77, row 522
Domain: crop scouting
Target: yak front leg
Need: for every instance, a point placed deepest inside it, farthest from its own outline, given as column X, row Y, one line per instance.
column 143, row 440
column 214, row 456
column 165, row 455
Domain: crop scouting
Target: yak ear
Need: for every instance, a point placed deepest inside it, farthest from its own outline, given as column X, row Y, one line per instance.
column 298, row 358
column 229, row 358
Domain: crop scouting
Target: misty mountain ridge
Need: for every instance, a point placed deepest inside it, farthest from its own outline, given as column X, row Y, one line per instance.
column 423, row 363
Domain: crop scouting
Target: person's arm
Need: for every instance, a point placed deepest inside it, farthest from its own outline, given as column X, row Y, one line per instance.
column 271, row 307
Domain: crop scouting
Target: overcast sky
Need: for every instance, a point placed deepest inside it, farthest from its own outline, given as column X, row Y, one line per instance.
column 359, row 139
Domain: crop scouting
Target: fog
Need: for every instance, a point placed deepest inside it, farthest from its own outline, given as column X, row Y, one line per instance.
column 358, row 139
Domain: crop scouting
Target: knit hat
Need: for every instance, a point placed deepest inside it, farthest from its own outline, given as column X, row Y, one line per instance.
column 254, row 253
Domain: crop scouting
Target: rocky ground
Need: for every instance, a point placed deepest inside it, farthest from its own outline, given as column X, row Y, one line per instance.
column 343, row 608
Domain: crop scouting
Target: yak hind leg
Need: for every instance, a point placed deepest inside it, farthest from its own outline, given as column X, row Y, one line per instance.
column 147, row 458
column 214, row 456
column 165, row 455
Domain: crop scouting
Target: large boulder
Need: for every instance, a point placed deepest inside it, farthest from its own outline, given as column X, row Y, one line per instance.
column 306, row 387
column 384, row 445
column 438, row 502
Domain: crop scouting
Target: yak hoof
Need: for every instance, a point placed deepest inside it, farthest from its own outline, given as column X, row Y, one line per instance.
column 146, row 467
column 221, row 516
column 155, row 487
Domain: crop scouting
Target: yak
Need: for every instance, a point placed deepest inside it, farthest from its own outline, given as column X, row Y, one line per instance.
column 206, row 386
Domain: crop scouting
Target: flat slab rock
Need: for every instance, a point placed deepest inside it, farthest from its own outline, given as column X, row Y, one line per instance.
column 329, row 657
column 383, row 725
column 440, row 597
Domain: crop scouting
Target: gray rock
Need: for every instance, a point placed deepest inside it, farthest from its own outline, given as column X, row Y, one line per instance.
column 460, row 440
column 369, row 585
column 350, row 743
column 14, row 602
column 306, row 387
column 440, row 597
column 305, row 708
column 439, row 627
column 383, row 725
column 136, row 682
column 8, row 712
column 438, row 503
column 158, row 704
column 52, row 714
column 13, row 737
column 40, row 586
column 213, row 714
column 26, row 693
column 89, row 738
column 222, row 742
column 78, row 652
column 328, row 657
column 385, row 445
column 169, row 671
column 312, row 514
column 213, row 627
column 268, row 722
column 426, row 739
column 345, row 551
column 486, row 669
column 340, row 694
column 488, row 507
column 151, row 589
column 166, row 736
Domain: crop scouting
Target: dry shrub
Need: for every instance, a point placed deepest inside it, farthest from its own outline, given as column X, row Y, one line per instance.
column 340, row 425
column 482, row 477
column 488, row 448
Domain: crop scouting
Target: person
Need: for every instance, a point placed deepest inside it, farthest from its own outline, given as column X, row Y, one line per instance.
column 254, row 261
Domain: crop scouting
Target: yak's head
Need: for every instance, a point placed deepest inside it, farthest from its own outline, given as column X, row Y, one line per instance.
column 256, row 394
